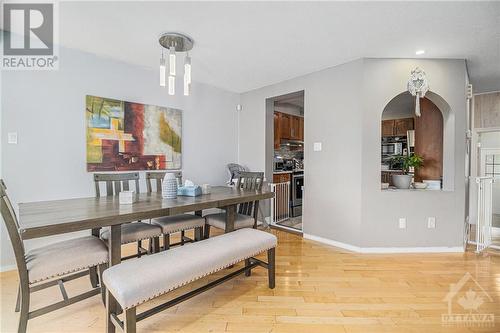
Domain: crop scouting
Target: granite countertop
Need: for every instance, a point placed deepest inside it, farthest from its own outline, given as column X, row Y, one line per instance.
column 281, row 172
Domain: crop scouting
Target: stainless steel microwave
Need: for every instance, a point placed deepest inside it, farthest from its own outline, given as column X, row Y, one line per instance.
column 393, row 148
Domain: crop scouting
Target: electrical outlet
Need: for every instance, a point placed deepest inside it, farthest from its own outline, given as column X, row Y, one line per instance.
column 402, row 223
column 431, row 223
column 12, row 138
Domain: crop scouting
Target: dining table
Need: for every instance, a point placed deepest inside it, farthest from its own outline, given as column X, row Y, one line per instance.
column 56, row 217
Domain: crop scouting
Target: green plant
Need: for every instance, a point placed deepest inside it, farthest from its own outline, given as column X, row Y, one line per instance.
column 415, row 161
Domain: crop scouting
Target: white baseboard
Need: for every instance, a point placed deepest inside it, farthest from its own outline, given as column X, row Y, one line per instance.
column 436, row 249
column 6, row 268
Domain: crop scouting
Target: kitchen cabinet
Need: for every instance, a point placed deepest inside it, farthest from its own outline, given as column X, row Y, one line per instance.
column 401, row 126
column 294, row 128
column 397, row 127
column 387, row 127
column 301, row 128
column 277, row 131
column 282, row 177
column 287, row 127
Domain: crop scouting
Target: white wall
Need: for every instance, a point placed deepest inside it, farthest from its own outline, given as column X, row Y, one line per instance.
column 47, row 109
column 383, row 80
column 332, row 115
column 343, row 107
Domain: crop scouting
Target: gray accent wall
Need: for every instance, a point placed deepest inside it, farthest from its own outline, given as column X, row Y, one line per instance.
column 343, row 108
column 47, row 109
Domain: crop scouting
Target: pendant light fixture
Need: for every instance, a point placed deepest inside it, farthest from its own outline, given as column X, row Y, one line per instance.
column 175, row 43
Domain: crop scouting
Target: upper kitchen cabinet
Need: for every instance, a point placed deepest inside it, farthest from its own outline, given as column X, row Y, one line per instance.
column 285, row 123
column 287, row 127
column 277, row 130
column 387, row 127
column 397, row 127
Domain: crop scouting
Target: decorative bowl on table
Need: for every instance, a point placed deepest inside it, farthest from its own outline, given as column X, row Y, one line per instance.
column 420, row 186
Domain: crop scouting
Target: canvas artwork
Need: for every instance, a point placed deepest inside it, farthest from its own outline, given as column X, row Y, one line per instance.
column 126, row 136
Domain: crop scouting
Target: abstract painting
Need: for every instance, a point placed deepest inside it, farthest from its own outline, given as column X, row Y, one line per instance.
column 126, row 136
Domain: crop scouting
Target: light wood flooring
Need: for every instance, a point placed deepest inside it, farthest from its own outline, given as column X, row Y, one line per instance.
column 318, row 289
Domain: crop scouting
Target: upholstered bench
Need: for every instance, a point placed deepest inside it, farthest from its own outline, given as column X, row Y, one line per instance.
column 137, row 281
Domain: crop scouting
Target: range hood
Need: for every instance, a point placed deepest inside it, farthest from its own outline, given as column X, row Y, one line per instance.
column 295, row 143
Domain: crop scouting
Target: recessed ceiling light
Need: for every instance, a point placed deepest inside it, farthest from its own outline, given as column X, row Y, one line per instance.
column 420, row 52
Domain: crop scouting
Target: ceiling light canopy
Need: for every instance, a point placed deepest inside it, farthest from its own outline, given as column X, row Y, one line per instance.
column 175, row 42
column 420, row 52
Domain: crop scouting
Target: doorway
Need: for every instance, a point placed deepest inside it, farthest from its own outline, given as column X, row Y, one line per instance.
column 488, row 165
column 285, row 159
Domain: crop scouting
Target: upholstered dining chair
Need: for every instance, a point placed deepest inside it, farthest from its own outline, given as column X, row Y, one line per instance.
column 134, row 232
column 176, row 223
column 50, row 265
column 246, row 216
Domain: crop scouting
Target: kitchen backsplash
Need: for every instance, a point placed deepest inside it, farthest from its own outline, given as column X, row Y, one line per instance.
column 289, row 152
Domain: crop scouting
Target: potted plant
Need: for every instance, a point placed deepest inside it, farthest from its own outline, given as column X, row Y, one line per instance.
column 413, row 161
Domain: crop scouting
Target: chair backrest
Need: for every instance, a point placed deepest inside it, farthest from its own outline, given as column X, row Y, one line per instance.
column 249, row 181
column 10, row 220
column 157, row 177
column 115, row 182
column 234, row 171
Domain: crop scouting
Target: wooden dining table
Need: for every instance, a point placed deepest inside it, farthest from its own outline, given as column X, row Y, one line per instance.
column 48, row 218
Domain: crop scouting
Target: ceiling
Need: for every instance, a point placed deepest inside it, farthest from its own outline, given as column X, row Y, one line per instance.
column 240, row 46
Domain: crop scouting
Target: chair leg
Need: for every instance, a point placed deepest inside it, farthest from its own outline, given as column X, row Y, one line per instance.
column 166, row 241
column 18, row 300
column 156, row 244
column 94, row 277
column 271, row 267
column 130, row 321
column 101, row 269
column 139, row 246
column 198, row 234
column 248, row 272
column 207, row 231
column 182, row 237
column 111, row 307
column 25, row 308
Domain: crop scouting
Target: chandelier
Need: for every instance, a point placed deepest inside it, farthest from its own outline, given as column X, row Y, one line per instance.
column 173, row 43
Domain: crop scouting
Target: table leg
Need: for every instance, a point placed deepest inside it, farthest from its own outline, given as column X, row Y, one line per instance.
column 230, row 218
column 115, row 257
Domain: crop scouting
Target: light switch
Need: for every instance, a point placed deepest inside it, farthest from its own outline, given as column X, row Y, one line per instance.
column 431, row 223
column 317, row 146
column 402, row 223
column 12, row 138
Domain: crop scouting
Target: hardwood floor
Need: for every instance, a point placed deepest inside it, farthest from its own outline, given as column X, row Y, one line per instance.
column 318, row 289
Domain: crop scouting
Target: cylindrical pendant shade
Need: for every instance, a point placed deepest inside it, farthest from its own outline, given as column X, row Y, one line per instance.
column 163, row 72
column 171, row 85
column 171, row 60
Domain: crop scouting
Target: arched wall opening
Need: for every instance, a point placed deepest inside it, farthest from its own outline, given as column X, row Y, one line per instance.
column 430, row 136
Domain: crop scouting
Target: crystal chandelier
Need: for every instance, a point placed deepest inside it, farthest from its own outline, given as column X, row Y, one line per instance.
column 173, row 43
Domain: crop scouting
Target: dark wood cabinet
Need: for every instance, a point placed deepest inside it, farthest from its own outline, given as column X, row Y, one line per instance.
column 287, row 127
column 301, row 129
column 277, row 130
column 397, row 127
column 294, row 128
column 281, row 178
column 387, row 127
column 401, row 126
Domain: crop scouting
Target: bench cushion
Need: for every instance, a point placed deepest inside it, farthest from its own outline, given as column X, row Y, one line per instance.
column 218, row 220
column 65, row 257
column 136, row 231
column 136, row 281
column 171, row 224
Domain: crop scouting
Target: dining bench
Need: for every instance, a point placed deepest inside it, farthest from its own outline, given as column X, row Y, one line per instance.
column 135, row 282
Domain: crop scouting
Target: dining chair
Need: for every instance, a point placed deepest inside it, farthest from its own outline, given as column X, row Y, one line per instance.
column 176, row 223
column 134, row 232
column 246, row 216
column 50, row 265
